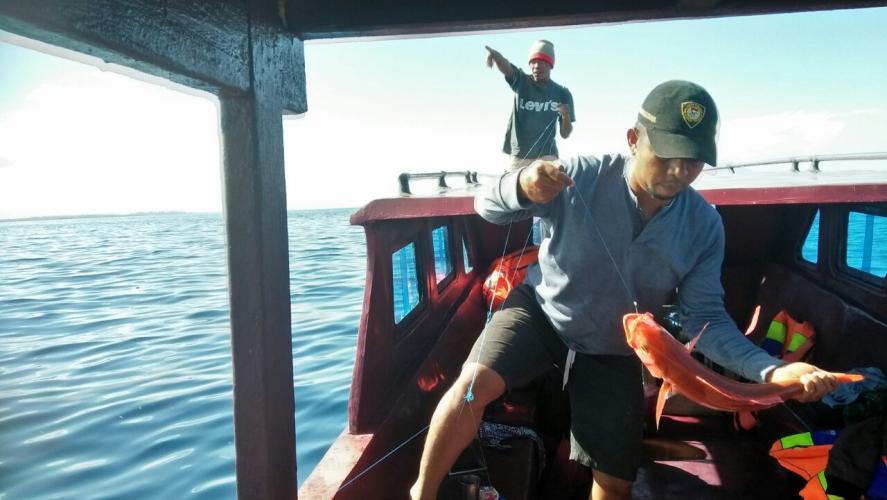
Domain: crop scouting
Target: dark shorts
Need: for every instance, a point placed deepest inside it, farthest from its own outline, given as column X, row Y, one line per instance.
column 606, row 392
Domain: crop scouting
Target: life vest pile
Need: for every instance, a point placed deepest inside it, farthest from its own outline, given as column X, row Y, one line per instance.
column 807, row 455
column 507, row 272
column 787, row 339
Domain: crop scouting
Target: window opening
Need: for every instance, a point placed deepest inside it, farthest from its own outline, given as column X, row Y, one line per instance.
column 867, row 243
column 407, row 293
column 466, row 259
column 443, row 257
column 810, row 250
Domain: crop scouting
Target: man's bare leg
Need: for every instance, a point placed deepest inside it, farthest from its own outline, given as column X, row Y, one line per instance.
column 607, row 487
column 453, row 426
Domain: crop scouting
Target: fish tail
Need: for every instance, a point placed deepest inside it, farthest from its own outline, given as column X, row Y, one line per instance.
column 847, row 378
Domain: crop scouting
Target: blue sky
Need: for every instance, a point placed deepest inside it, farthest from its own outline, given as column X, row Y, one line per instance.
column 77, row 139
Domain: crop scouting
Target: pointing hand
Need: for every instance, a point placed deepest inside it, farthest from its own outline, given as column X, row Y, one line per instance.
column 490, row 53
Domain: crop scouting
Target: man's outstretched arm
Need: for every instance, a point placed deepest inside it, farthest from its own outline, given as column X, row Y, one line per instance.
column 493, row 56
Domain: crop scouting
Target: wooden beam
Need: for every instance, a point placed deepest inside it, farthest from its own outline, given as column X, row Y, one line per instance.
column 203, row 45
column 318, row 19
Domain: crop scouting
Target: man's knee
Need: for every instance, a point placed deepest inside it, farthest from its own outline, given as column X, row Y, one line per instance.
column 612, row 484
column 478, row 383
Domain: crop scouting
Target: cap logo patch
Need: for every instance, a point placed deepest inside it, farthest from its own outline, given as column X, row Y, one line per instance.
column 692, row 112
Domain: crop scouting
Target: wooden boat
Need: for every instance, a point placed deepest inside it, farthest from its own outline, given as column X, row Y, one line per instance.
column 787, row 248
column 250, row 55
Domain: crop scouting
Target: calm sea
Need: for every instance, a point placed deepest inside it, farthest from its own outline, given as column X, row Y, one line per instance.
column 115, row 363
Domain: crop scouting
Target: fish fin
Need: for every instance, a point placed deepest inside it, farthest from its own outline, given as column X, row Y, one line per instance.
column 664, row 393
column 692, row 344
column 754, row 320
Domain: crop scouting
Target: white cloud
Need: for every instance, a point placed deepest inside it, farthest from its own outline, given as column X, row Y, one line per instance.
column 795, row 133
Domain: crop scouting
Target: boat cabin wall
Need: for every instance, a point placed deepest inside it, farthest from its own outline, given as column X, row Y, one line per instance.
column 420, row 273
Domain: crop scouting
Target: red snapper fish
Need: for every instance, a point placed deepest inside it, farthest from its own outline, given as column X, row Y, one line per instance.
column 668, row 359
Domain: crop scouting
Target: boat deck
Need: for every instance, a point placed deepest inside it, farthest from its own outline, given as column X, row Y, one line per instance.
column 728, row 466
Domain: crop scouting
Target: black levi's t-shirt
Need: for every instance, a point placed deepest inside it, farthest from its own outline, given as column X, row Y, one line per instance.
column 533, row 126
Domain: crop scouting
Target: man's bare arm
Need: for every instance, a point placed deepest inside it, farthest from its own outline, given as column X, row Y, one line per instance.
column 493, row 56
column 566, row 124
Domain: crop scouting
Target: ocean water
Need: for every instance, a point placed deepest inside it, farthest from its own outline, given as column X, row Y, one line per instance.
column 115, row 364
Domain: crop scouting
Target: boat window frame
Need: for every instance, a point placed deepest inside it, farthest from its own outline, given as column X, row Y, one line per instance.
column 465, row 251
column 840, row 261
column 821, row 248
column 446, row 280
column 409, row 318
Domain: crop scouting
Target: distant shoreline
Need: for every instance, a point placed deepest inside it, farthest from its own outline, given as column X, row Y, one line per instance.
column 142, row 214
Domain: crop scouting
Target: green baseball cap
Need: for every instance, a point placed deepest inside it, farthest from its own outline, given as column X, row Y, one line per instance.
column 681, row 121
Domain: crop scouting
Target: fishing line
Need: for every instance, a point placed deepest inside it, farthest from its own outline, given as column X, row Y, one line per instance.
column 600, row 236
column 469, row 396
column 377, row 462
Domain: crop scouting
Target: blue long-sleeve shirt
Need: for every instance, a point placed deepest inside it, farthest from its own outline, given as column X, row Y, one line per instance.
column 599, row 257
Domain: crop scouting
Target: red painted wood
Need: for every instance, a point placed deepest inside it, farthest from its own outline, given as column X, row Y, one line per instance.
column 857, row 193
column 388, row 355
column 416, row 207
column 328, row 476
column 412, row 208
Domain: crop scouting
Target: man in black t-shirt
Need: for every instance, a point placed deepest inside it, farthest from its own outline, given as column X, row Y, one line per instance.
column 541, row 106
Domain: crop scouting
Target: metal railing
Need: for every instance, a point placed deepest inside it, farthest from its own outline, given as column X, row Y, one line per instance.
column 796, row 161
column 405, row 178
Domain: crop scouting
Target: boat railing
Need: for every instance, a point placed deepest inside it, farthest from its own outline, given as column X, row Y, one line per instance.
column 404, row 179
column 796, row 161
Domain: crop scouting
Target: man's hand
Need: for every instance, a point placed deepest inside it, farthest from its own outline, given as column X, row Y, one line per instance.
column 490, row 55
column 817, row 383
column 564, row 110
column 502, row 64
column 542, row 181
column 566, row 125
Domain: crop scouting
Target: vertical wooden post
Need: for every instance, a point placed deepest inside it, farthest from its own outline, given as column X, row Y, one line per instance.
column 258, row 257
column 258, row 276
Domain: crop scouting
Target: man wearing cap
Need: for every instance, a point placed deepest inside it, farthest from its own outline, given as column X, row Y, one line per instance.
column 541, row 106
column 626, row 231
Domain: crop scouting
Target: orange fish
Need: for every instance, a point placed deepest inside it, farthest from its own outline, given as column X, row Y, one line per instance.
column 668, row 359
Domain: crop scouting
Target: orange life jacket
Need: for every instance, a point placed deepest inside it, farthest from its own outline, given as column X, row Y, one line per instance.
column 507, row 272
column 806, row 454
column 788, row 338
